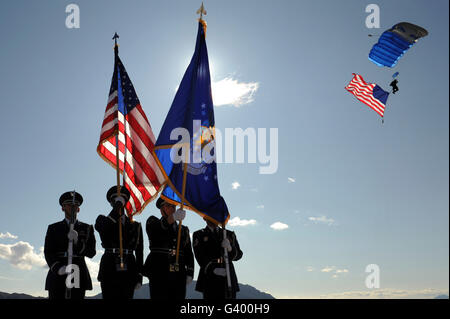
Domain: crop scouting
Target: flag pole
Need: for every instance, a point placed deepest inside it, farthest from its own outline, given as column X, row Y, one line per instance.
column 200, row 11
column 116, row 56
column 181, row 207
column 120, row 209
column 227, row 264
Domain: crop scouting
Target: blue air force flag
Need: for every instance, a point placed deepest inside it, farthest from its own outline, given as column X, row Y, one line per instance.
column 185, row 148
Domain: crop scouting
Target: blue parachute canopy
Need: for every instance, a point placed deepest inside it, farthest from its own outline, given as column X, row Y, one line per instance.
column 394, row 42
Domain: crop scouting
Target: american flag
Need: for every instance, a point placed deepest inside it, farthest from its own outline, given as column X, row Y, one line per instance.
column 368, row 93
column 124, row 114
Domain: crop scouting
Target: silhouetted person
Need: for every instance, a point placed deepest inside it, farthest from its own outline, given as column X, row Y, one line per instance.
column 166, row 281
column 120, row 282
column 56, row 250
column 394, row 86
column 209, row 247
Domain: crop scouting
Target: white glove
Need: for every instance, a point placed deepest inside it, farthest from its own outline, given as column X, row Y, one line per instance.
column 220, row 272
column 179, row 215
column 138, row 286
column 120, row 199
column 62, row 271
column 73, row 235
column 188, row 280
column 226, row 244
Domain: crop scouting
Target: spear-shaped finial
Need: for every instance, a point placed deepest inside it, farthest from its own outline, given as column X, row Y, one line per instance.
column 201, row 11
column 115, row 37
column 116, row 46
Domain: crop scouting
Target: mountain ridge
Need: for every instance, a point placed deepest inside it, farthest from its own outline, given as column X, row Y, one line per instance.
column 246, row 292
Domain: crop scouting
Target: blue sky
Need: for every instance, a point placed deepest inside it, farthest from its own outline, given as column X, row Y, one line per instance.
column 351, row 190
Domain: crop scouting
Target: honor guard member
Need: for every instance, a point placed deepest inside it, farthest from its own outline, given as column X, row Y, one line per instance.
column 209, row 247
column 168, row 280
column 119, row 278
column 57, row 253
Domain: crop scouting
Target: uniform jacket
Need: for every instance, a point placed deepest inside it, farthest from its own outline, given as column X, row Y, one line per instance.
column 108, row 228
column 209, row 255
column 55, row 251
column 163, row 244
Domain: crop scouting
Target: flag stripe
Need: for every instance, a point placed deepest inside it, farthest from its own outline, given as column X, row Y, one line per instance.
column 364, row 92
column 134, row 155
column 141, row 175
column 369, row 100
column 143, row 138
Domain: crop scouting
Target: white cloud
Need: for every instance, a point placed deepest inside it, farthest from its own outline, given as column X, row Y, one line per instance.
column 231, row 92
column 335, row 272
column 309, row 268
column 340, row 271
column 279, row 226
column 381, row 293
column 328, row 269
column 236, row 222
column 322, row 220
column 387, row 293
column 22, row 255
column 260, row 206
column 235, row 185
column 7, row 236
column 291, row 180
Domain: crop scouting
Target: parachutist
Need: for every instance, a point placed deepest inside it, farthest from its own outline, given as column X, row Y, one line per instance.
column 394, row 86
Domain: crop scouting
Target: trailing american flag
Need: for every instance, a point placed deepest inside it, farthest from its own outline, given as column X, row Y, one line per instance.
column 368, row 93
column 125, row 116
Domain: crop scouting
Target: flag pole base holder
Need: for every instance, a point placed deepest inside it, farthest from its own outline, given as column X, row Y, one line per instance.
column 121, row 267
column 174, row 267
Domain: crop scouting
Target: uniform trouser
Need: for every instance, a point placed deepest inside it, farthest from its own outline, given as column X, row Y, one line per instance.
column 216, row 288
column 217, row 294
column 171, row 287
column 117, row 289
column 60, row 293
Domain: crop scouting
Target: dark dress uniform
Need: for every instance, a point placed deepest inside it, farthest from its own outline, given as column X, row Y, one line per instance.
column 117, row 283
column 166, row 284
column 209, row 255
column 55, row 251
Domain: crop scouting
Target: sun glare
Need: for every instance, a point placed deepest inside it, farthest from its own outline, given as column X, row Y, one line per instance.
column 231, row 92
